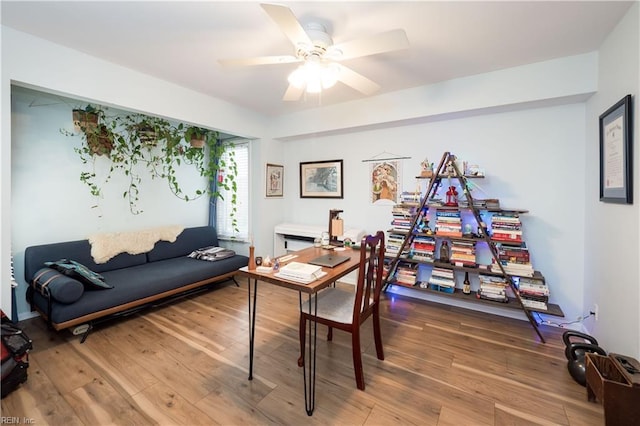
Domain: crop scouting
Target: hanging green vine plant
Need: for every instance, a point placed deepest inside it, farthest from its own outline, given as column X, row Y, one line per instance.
column 140, row 146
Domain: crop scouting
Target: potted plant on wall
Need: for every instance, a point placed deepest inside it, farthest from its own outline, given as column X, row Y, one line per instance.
column 100, row 140
column 89, row 123
column 86, row 118
column 141, row 146
column 197, row 136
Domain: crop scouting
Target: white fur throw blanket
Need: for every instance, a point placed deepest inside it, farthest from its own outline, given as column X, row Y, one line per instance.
column 107, row 245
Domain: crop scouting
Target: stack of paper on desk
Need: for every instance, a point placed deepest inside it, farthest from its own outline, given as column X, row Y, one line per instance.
column 301, row 272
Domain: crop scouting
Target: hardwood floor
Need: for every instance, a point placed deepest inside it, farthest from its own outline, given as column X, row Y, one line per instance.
column 186, row 363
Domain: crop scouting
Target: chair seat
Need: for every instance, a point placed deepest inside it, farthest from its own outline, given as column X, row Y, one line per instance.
column 334, row 304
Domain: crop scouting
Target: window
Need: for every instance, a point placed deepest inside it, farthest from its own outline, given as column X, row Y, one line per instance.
column 239, row 150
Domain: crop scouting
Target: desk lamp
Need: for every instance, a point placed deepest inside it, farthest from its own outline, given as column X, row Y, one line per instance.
column 336, row 227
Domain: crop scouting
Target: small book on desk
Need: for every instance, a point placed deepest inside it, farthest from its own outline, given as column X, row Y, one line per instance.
column 303, row 272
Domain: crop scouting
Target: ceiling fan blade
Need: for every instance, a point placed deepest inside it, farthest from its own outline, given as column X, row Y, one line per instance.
column 288, row 23
column 379, row 43
column 359, row 82
column 259, row 60
column 293, row 93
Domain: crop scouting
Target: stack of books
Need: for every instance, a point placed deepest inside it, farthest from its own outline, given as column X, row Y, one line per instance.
column 493, row 288
column 410, row 197
column 448, row 223
column 513, row 253
column 514, row 259
column 402, row 217
column 301, row 272
column 513, row 269
column 393, row 244
column 506, row 227
column 423, row 248
column 435, row 202
column 442, row 279
column 534, row 292
column 463, row 253
column 406, row 274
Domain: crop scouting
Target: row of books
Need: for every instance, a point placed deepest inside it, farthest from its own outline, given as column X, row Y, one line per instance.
column 518, row 269
column 406, row 274
column 506, row 226
column 463, row 253
column 402, row 217
column 515, row 260
column 410, row 197
column 442, row 279
column 513, row 253
column 394, row 243
column 448, row 223
column 534, row 292
column 492, row 288
column 423, row 248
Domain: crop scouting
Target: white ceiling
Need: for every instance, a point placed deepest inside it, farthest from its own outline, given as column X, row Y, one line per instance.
column 181, row 42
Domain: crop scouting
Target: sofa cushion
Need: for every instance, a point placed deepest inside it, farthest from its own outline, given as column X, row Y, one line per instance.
column 62, row 288
column 90, row 279
column 80, row 251
column 189, row 240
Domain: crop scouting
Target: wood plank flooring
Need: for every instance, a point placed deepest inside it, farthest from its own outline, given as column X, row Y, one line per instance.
column 186, row 363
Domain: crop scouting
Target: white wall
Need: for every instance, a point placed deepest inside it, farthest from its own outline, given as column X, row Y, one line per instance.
column 612, row 260
column 534, row 159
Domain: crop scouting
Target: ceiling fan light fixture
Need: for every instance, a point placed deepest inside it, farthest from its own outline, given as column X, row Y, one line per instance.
column 297, row 78
column 313, row 76
column 329, row 75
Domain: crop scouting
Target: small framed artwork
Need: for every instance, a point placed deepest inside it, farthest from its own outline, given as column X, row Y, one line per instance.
column 321, row 179
column 275, row 180
column 616, row 157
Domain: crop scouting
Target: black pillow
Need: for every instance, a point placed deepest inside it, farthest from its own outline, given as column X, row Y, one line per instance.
column 92, row 280
column 62, row 288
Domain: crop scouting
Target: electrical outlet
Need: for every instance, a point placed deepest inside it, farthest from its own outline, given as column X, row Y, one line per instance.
column 594, row 311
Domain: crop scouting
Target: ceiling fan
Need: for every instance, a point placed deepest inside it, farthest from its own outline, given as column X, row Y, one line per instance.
column 314, row 48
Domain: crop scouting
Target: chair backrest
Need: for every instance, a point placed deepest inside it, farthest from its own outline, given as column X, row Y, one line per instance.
column 369, row 276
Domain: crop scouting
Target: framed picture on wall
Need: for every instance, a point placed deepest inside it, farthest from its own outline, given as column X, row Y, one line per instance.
column 275, row 180
column 616, row 156
column 321, row 179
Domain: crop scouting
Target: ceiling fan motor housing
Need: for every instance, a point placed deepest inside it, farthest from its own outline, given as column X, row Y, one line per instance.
column 320, row 40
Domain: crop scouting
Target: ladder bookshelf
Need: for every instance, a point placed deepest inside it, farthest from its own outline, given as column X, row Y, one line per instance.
column 406, row 257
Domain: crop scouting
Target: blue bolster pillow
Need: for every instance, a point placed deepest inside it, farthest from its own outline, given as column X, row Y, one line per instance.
column 62, row 288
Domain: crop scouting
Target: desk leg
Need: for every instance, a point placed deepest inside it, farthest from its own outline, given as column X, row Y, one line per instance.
column 309, row 366
column 252, row 322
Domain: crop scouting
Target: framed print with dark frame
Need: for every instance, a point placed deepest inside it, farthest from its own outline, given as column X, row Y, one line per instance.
column 616, row 155
column 274, row 180
column 321, row 179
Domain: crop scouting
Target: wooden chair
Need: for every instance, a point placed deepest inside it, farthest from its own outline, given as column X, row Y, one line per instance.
column 347, row 310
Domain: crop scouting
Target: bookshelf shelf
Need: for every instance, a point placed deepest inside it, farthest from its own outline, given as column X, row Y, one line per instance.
column 552, row 309
column 510, row 278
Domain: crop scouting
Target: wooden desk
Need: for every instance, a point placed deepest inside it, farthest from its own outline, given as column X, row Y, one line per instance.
column 311, row 289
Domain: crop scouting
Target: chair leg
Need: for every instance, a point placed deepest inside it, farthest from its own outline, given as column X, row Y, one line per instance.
column 303, row 333
column 357, row 358
column 330, row 333
column 377, row 336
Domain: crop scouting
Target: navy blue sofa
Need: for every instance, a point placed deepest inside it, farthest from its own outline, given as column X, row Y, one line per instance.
column 138, row 280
